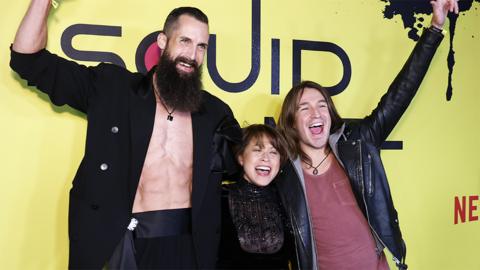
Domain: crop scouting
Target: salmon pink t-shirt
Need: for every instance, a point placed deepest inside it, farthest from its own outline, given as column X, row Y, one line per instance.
column 342, row 235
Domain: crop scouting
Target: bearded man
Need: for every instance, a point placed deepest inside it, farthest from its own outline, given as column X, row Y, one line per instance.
column 146, row 194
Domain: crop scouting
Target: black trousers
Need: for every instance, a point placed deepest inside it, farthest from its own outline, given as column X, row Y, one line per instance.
column 161, row 240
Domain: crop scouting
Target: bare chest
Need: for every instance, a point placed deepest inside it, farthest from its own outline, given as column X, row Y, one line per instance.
column 166, row 178
column 171, row 141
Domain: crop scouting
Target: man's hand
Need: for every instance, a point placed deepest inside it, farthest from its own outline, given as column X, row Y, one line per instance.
column 441, row 9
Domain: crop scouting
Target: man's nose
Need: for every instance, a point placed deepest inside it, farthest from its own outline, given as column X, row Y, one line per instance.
column 191, row 52
column 315, row 112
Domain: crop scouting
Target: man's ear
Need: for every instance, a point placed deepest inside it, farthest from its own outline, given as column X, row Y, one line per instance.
column 162, row 40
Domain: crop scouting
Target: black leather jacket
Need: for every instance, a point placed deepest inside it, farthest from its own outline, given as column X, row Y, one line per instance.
column 357, row 146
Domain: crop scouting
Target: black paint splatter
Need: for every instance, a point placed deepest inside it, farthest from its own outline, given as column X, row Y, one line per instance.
column 412, row 12
column 409, row 11
column 451, row 53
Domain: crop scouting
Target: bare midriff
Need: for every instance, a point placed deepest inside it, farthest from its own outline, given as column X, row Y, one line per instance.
column 166, row 178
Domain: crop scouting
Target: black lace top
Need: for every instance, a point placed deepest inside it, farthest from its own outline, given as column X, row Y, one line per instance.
column 256, row 216
column 254, row 231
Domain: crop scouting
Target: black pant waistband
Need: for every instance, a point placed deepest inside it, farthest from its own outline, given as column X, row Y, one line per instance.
column 161, row 223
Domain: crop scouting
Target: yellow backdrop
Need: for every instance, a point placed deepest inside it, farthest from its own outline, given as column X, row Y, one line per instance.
column 42, row 145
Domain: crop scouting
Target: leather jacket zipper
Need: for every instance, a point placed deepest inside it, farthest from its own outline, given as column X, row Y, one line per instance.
column 365, row 203
column 370, row 182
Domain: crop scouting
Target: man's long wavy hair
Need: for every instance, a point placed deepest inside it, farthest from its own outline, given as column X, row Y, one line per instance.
column 286, row 121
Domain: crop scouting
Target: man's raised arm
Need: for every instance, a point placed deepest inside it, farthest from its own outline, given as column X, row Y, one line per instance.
column 31, row 35
column 377, row 126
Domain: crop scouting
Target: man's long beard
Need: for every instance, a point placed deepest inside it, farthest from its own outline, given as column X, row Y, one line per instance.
column 178, row 91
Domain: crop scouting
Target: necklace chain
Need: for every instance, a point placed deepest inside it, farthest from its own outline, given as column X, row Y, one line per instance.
column 315, row 168
column 169, row 116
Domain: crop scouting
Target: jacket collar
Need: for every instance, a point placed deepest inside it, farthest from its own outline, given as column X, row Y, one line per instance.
column 333, row 142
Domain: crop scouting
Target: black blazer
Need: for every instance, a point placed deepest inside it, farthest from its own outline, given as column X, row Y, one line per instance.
column 120, row 108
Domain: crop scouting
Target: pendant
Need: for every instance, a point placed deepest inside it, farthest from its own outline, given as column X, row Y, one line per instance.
column 315, row 171
column 169, row 117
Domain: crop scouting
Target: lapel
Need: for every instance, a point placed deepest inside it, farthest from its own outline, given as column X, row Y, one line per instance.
column 292, row 191
column 142, row 116
column 202, row 146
